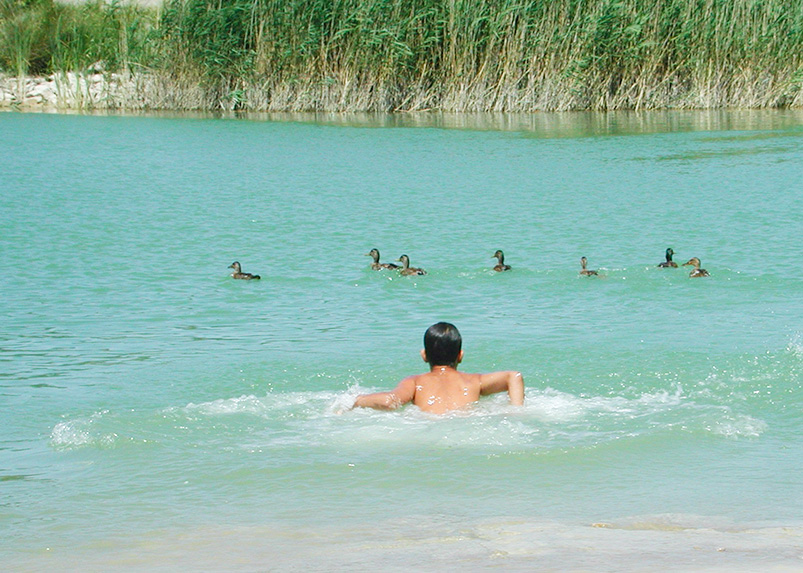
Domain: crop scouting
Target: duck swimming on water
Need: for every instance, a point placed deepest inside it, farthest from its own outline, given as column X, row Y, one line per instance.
column 239, row 274
column 696, row 272
column 376, row 265
column 500, row 256
column 669, row 263
column 407, row 270
column 585, row 272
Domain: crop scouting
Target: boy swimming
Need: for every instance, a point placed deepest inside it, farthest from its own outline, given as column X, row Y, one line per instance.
column 444, row 388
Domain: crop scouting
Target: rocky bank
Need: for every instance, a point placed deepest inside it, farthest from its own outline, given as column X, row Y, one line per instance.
column 96, row 89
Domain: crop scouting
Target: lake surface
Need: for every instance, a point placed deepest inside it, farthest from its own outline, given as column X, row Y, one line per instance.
column 158, row 415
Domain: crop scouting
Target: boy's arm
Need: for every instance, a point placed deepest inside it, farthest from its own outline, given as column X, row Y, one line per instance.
column 511, row 381
column 400, row 395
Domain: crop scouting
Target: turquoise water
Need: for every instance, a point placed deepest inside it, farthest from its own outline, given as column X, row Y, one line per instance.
column 158, row 415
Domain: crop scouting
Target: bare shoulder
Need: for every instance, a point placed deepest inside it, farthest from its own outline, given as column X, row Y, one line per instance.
column 405, row 390
column 413, row 379
column 470, row 377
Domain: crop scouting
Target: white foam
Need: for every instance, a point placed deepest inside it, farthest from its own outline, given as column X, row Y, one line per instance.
column 553, row 406
column 228, row 406
column 66, row 434
column 795, row 346
column 549, row 419
column 82, row 432
column 739, row 426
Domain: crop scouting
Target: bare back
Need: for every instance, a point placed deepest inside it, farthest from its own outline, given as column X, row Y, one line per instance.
column 445, row 389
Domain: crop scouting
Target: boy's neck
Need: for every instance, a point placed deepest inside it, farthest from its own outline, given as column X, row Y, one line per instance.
column 442, row 367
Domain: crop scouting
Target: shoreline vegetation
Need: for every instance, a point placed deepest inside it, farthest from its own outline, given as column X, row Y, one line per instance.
column 458, row 56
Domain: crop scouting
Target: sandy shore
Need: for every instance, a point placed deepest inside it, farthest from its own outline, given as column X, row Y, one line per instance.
column 432, row 544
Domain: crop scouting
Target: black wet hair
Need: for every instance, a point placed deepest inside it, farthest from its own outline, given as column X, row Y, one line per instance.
column 442, row 343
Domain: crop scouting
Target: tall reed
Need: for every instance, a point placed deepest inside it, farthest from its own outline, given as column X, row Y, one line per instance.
column 452, row 55
column 48, row 36
column 20, row 30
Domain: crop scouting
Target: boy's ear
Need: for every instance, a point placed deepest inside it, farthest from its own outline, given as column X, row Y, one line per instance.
column 424, row 354
column 460, row 357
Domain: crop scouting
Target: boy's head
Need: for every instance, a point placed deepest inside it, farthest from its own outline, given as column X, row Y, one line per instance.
column 442, row 345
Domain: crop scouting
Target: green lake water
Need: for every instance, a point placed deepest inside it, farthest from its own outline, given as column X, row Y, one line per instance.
column 159, row 415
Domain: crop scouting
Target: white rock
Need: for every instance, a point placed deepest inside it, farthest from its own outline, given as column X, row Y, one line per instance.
column 46, row 91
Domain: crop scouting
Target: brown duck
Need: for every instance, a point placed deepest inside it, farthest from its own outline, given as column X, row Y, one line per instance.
column 585, row 272
column 696, row 272
column 239, row 274
column 376, row 265
column 501, row 266
column 407, row 270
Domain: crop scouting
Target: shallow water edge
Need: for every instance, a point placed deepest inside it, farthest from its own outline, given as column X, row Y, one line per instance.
column 437, row 543
column 569, row 124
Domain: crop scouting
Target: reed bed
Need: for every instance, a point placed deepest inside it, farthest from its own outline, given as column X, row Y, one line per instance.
column 412, row 55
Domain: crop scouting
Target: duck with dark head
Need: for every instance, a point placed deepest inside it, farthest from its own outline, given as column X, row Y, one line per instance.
column 239, row 274
column 376, row 265
column 584, row 271
column 501, row 266
column 696, row 272
column 668, row 263
column 407, row 270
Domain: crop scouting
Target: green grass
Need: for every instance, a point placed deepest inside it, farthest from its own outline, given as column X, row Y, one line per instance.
column 454, row 55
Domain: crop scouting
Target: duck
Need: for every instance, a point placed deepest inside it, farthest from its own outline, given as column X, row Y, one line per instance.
column 239, row 274
column 669, row 263
column 585, row 272
column 376, row 265
column 407, row 270
column 500, row 256
column 696, row 272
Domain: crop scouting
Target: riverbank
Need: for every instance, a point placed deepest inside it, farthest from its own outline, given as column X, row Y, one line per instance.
column 94, row 90
column 370, row 56
column 68, row 91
